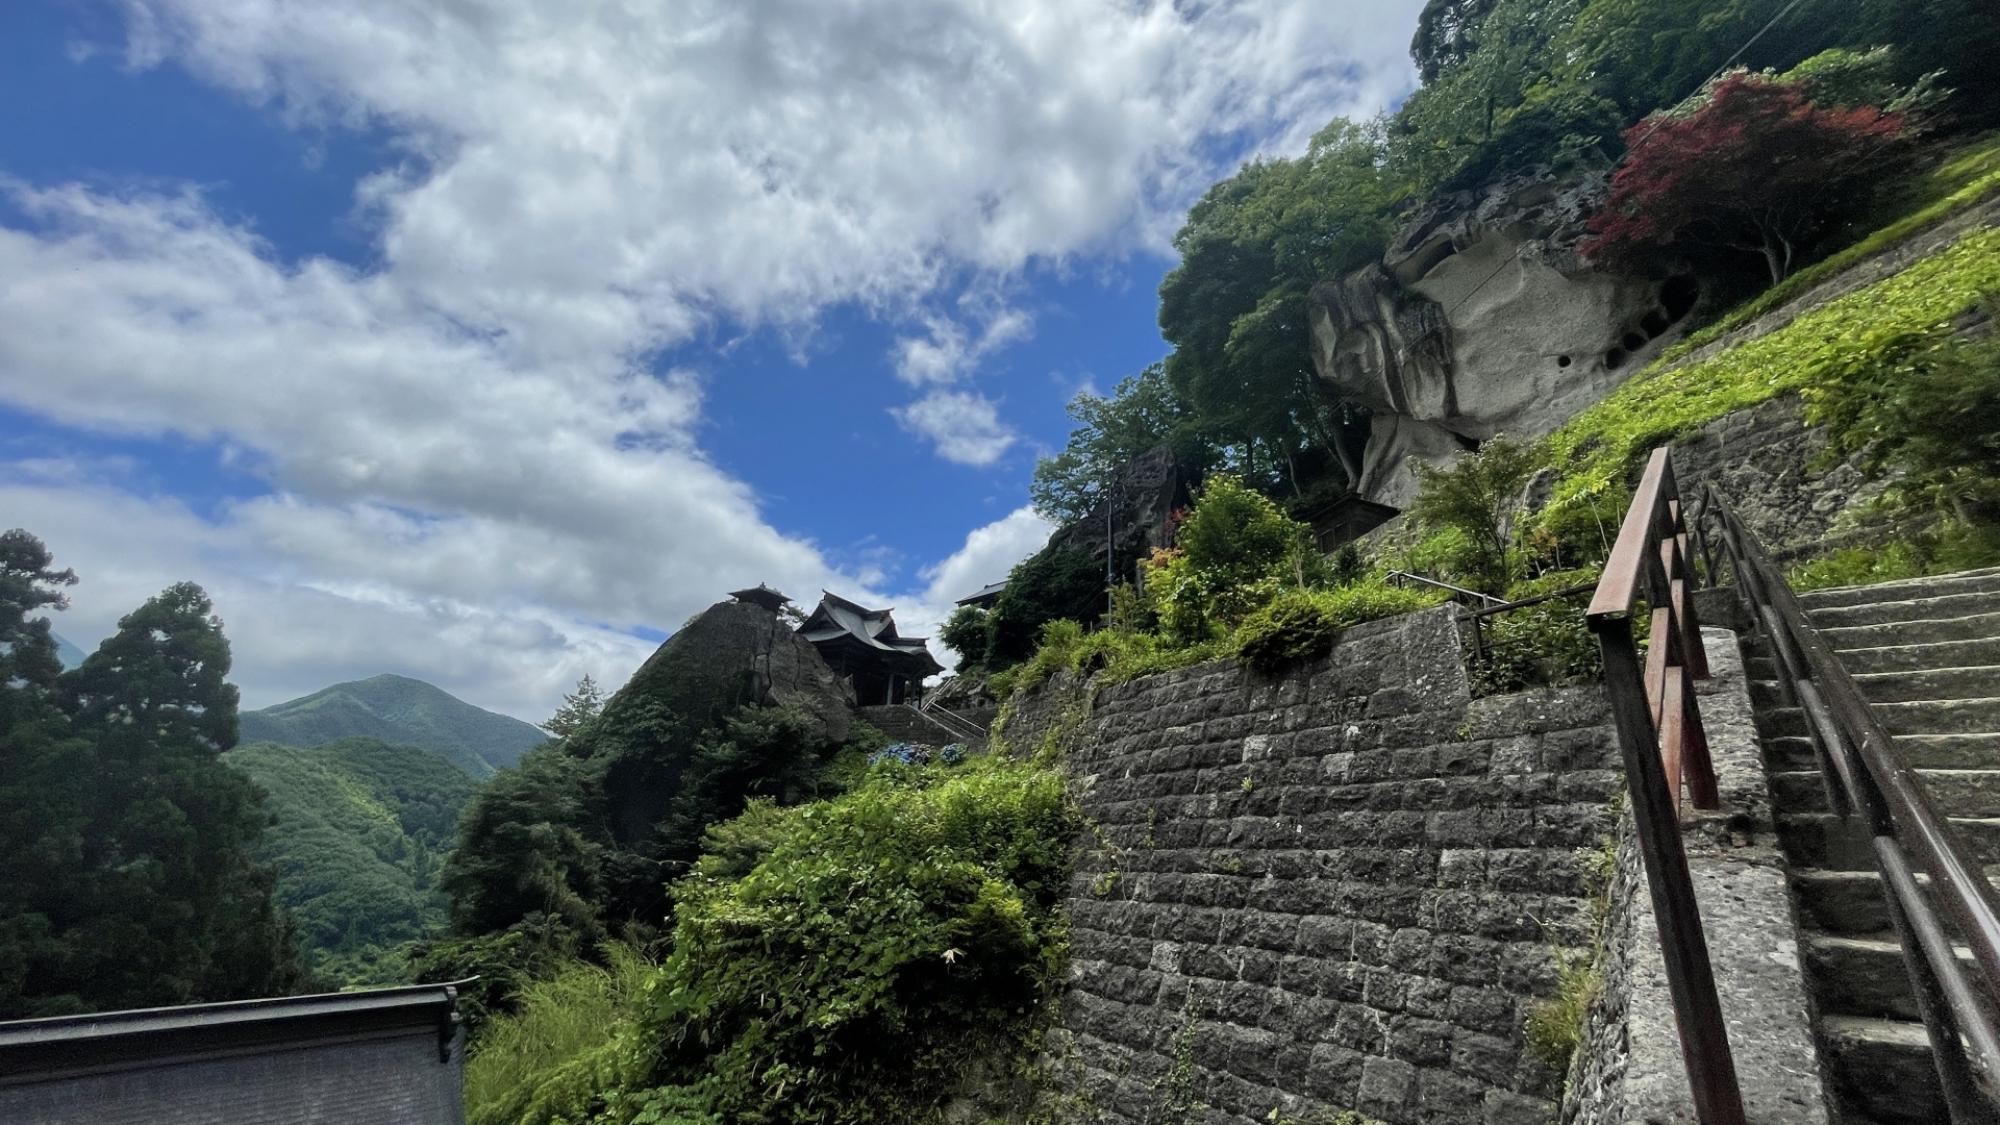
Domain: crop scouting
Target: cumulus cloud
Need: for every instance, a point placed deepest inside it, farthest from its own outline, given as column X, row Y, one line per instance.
column 962, row 426
column 464, row 443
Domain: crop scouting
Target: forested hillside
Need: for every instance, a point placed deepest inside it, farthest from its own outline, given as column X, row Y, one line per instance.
column 402, row 711
column 358, row 835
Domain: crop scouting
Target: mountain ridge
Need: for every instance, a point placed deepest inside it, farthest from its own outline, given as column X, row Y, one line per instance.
column 399, row 710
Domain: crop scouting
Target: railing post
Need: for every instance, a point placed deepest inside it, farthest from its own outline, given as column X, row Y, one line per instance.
column 1697, row 1010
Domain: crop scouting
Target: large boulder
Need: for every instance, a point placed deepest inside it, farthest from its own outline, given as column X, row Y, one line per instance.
column 734, row 654
column 1143, row 497
column 1483, row 319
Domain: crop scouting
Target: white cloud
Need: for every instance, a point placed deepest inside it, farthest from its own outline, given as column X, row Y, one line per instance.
column 987, row 555
column 465, row 444
column 961, row 426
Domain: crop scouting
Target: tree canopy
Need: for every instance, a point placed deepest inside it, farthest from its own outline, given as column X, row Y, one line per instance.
column 128, row 875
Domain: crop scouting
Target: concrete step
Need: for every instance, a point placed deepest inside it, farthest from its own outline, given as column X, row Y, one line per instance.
column 1841, row 902
column 1978, row 682
column 1941, row 684
column 1863, row 975
column 1940, row 716
column 1941, row 607
column 1950, row 751
column 1958, row 793
column 1881, row 1070
column 1979, row 652
column 1824, row 841
column 1977, row 626
column 1963, row 582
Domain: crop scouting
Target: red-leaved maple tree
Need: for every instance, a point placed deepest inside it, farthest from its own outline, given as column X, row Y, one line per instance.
column 1755, row 167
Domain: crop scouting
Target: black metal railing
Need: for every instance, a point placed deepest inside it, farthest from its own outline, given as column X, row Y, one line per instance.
column 1867, row 777
column 1663, row 742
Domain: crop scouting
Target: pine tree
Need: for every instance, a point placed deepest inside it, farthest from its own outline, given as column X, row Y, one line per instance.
column 578, row 708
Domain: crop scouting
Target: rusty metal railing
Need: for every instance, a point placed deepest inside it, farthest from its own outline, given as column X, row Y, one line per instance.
column 1867, row 777
column 1663, row 743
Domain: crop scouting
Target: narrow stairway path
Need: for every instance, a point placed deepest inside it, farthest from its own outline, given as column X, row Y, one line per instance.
column 1926, row 653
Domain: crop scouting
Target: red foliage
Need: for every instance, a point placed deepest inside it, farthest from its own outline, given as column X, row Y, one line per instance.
column 1757, row 168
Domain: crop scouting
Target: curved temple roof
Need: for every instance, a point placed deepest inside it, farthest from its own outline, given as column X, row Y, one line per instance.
column 836, row 618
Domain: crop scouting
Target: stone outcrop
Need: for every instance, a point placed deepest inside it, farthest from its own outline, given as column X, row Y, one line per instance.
column 1143, row 497
column 1481, row 319
column 734, row 654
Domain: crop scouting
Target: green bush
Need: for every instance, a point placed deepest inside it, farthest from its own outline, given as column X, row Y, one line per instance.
column 969, row 633
column 888, row 936
column 1475, row 496
column 1300, row 625
column 1952, row 546
column 1060, row 583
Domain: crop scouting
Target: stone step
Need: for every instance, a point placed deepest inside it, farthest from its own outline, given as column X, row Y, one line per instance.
column 1922, row 751
column 1841, row 902
column 1881, row 1070
column 1822, row 840
column 1939, row 684
column 1958, row 793
column 1856, row 975
column 1940, row 716
column 1977, row 626
column 1981, row 651
column 1942, row 607
column 1968, row 581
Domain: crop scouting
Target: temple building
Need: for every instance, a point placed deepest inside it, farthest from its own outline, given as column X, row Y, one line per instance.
column 861, row 645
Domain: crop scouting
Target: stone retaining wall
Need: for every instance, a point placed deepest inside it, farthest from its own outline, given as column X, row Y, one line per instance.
column 1342, row 889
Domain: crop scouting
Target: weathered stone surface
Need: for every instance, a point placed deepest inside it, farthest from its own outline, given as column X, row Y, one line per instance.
column 1629, row 1067
column 734, row 653
column 1339, row 889
column 1144, row 494
column 1482, row 320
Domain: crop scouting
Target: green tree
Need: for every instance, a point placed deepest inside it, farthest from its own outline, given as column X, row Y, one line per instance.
column 969, row 633
column 527, row 846
column 136, row 883
column 1141, row 414
column 1475, row 496
column 1056, row 584
column 578, row 708
column 1236, row 307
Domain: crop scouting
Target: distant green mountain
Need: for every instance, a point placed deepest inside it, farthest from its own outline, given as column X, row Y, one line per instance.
column 67, row 653
column 360, row 830
column 399, row 710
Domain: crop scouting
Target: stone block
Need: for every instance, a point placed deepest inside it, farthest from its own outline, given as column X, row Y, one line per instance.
column 1386, row 1089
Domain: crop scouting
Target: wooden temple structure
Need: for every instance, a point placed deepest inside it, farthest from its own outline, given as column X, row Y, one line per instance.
column 861, row 645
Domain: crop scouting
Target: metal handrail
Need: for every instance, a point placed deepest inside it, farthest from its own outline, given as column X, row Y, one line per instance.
column 1867, row 776
column 1661, row 738
column 1406, row 576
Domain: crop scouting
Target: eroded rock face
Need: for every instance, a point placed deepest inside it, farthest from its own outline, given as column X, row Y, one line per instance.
column 1482, row 320
column 1148, row 489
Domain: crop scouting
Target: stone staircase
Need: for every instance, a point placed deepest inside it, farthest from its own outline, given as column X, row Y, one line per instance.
column 1926, row 653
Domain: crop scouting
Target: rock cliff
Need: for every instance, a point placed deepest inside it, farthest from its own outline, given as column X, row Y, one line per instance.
column 1482, row 319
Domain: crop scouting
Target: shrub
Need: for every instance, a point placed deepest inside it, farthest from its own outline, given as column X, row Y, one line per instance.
column 889, row 935
column 1931, row 409
column 1949, row 547
column 1300, row 625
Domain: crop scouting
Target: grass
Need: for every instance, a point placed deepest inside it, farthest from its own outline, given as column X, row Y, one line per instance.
column 557, row 1050
column 1844, row 338
column 1966, row 180
column 1943, row 550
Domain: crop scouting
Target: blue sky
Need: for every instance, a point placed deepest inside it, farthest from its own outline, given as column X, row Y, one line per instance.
column 487, row 342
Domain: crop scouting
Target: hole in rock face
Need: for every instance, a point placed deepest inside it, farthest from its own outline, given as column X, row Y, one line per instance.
column 1562, row 361
column 1678, row 296
column 1633, row 341
column 1614, row 359
column 1654, row 323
